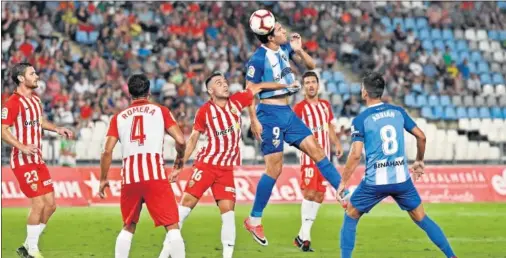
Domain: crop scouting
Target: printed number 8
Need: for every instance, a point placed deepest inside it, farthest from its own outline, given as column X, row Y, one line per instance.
column 275, row 131
column 389, row 138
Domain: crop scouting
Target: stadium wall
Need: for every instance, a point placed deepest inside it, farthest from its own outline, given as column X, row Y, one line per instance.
column 441, row 184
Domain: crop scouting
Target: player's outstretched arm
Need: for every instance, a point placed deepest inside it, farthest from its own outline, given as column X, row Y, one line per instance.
column 418, row 166
column 301, row 56
column 190, row 147
column 351, row 164
column 105, row 163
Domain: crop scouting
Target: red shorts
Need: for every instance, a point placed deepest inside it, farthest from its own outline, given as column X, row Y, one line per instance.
column 312, row 179
column 221, row 182
column 34, row 179
column 159, row 200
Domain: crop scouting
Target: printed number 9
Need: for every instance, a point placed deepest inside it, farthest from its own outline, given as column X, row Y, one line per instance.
column 275, row 131
column 389, row 138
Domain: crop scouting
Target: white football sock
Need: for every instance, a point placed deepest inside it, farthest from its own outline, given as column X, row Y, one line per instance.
column 173, row 245
column 42, row 227
column 255, row 221
column 123, row 244
column 183, row 214
column 308, row 211
column 228, row 233
column 32, row 237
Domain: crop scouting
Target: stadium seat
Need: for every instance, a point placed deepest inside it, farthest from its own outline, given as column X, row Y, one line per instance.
column 409, row 100
column 355, row 88
column 410, row 23
column 475, row 56
column 502, row 101
column 457, row 100
column 438, row 43
column 472, row 112
column 332, row 88
column 474, row 124
column 451, row 44
column 424, row 34
column 502, row 35
column 485, row 79
column 336, row 99
column 484, row 46
column 447, row 34
column 493, row 35
column 93, row 37
column 495, row 46
column 487, row 90
column 398, row 20
column 450, row 113
column 483, row 67
column 458, row 34
column 82, row 37
column 472, row 67
column 495, row 67
column 338, row 77
column 497, row 113
column 494, row 154
column 445, row 101
column 470, row 34
column 326, row 76
column 484, row 112
column 461, row 112
column 481, row 35
column 438, row 112
column 85, row 134
column 473, row 45
column 427, row 113
column 452, row 136
column 497, row 78
column 433, row 100
column 344, row 88
column 500, row 90
column 386, row 21
column 479, row 101
column 422, row 23
column 463, row 123
column 468, row 101
column 462, row 45
column 421, row 100
column 483, row 150
column 427, row 45
column 436, row 34
column 492, row 101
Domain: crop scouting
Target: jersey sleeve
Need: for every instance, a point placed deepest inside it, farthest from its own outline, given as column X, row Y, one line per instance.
column 297, row 109
column 10, row 112
column 288, row 49
column 200, row 120
column 409, row 124
column 255, row 69
column 357, row 130
column 168, row 118
column 245, row 98
column 113, row 127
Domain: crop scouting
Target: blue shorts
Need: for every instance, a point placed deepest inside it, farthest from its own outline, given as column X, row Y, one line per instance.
column 366, row 196
column 280, row 124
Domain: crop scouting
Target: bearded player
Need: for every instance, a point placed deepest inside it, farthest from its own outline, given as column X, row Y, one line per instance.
column 317, row 115
column 220, row 121
column 274, row 121
column 23, row 111
column 141, row 129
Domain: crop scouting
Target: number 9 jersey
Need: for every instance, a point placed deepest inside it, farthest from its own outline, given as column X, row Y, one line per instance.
column 140, row 129
column 381, row 128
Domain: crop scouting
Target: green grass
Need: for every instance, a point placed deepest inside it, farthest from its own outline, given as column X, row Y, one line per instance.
column 474, row 230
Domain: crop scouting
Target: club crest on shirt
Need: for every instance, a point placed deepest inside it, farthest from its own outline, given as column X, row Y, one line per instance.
column 191, row 183
column 306, row 181
column 5, row 113
column 276, row 143
column 283, row 56
column 34, row 187
column 251, row 71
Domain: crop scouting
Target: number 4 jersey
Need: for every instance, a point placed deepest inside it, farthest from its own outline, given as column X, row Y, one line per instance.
column 140, row 129
column 381, row 128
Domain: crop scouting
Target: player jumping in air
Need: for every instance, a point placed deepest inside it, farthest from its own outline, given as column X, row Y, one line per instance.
column 220, row 120
column 317, row 115
column 275, row 122
column 380, row 128
column 23, row 111
column 141, row 129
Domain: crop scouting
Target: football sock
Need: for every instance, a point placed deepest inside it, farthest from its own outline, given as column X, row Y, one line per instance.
column 32, row 237
column 228, row 233
column 436, row 235
column 123, row 243
column 308, row 211
column 262, row 195
column 42, row 227
column 183, row 214
column 329, row 172
column 173, row 245
column 348, row 233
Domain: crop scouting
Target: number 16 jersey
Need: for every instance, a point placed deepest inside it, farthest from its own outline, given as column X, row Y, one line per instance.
column 141, row 129
column 381, row 128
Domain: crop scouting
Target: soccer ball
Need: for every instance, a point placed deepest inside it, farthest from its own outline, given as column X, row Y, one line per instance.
column 262, row 22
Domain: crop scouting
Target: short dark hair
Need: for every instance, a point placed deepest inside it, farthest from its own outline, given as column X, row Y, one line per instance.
column 19, row 70
column 265, row 38
column 138, row 85
column 214, row 74
column 374, row 84
column 310, row 74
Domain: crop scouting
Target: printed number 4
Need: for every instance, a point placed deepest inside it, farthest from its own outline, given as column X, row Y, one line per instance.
column 389, row 138
column 138, row 130
column 31, row 177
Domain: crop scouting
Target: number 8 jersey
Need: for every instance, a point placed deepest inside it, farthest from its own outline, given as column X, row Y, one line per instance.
column 381, row 128
column 140, row 129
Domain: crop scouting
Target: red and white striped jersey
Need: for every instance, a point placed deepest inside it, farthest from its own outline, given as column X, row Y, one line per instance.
column 222, row 127
column 317, row 117
column 141, row 132
column 24, row 114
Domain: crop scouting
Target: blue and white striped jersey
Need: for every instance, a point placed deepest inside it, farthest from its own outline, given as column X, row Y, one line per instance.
column 381, row 128
column 267, row 65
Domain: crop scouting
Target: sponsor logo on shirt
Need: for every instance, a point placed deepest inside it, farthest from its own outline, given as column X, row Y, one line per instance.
column 32, row 123
column 385, row 164
column 5, row 113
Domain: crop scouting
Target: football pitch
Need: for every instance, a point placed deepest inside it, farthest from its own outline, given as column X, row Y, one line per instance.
column 474, row 230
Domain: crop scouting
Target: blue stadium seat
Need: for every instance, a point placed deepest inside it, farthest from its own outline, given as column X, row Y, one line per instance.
column 493, row 35
column 496, row 113
column 433, row 100
column 421, row 100
column 386, row 21
column 504, row 113
column 484, row 112
column 476, row 56
column 462, row 45
column 497, row 78
column 409, row 100
column 417, row 87
column 464, row 55
column 338, row 77
column 332, row 88
column 424, row 34
column 326, row 75
column 438, row 112
column 445, row 101
column 451, row 44
column 450, row 113
column 82, row 37
column 455, row 55
column 461, row 112
column 398, row 20
column 346, row 97
column 93, row 37
column 355, row 88
column 436, row 34
column 422, row 23
column 501, row 5
column 502, row 35
column 427, row 113
column 344, row 88
column 427, row 45
column 483, row 67
column 472, row 67
column 472, row 112
column 410, row 23
column 438, row 43
column 447, row 34
column 485, row 78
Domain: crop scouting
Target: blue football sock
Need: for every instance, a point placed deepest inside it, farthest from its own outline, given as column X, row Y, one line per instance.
column 348, row 232
column 262, row 195
column 329, row 172
column 436, row 235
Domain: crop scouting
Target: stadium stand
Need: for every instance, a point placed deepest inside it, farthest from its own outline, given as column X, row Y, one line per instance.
column 447, row 67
